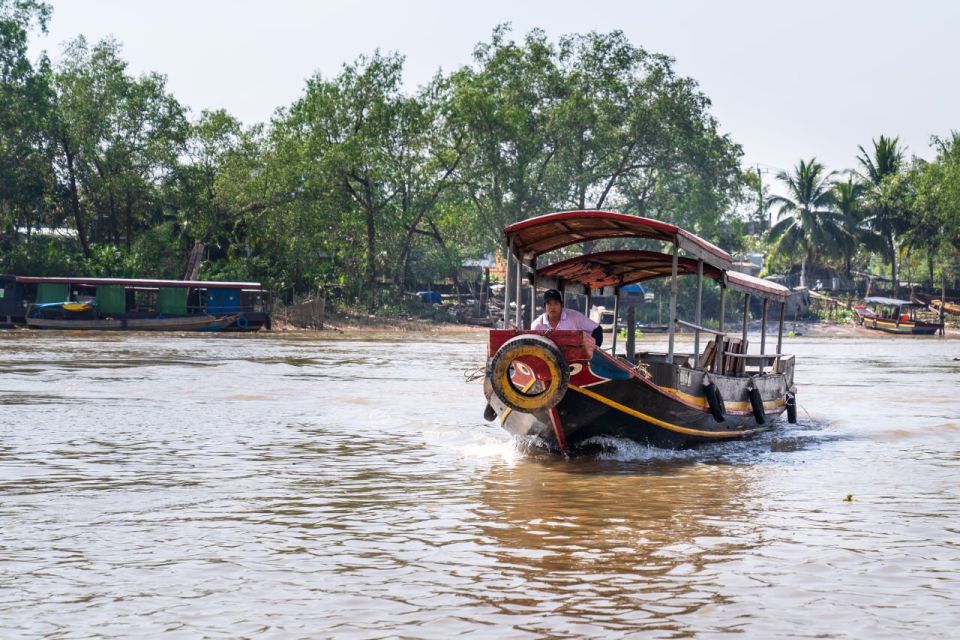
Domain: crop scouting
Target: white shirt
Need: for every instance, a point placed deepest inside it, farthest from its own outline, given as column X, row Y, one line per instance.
column 569, row 320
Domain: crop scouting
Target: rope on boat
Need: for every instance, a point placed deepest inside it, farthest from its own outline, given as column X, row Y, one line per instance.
column 472, row 375
column 642, row 370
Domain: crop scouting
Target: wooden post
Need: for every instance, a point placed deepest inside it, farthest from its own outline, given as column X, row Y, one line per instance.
column 506, row 287
column 780, row 332
column 672, row 320
column 616, row 324
column 698, row 316
column 721, row 340
column 723, row 299
column 519, row 314
column 943, row 301
column 632, row 333
column 532, row 311
column 763, row 327
column 746, row 314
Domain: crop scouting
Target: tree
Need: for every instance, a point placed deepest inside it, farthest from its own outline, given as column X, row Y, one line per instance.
column 884, row 196
column 506, row 106
column 26, row 179
column 848, row 195
column 118, row 138
column 937, row 203
column 591, row 122
column 808, row 225
column 757, row 198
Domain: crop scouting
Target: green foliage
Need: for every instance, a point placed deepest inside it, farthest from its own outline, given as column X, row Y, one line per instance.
column 372, row 191
column 936, row 200
column 808, row 223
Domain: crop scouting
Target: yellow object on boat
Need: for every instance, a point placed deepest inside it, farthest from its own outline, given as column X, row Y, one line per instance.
column 77, row 306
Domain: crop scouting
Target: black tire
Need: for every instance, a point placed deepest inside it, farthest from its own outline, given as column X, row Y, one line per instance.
column 530, row 346
column 715, row 402
column 756, row 403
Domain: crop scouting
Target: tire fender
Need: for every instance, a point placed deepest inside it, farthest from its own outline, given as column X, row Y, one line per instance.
column 791, row 407
column 549, row 360
column 714, row 400
column 756, row 403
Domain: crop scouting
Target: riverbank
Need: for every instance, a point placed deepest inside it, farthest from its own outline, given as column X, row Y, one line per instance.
column 360, row 323
column 357, row 323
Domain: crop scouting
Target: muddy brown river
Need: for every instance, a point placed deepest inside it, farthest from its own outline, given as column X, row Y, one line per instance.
column 296, row 486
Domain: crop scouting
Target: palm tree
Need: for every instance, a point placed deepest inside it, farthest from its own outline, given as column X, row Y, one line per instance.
column 884, row 199
column 847, row 197
column 807, row 222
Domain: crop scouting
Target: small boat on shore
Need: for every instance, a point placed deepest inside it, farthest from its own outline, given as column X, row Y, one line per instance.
column 124, row 304
column 559, row 386
column 948, row 307
column 891, row 315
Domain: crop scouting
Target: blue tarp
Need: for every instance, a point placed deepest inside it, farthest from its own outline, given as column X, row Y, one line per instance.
column 430, row 297
column 633, row 288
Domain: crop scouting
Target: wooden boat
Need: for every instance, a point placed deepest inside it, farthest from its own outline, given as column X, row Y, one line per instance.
column 559, row 386
column 135, row 304
column 891, row 315
column 948, row 307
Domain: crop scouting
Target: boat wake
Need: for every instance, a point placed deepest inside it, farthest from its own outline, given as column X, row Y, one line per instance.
column 786, row 438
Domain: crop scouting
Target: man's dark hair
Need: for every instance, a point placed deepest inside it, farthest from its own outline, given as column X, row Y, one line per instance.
column 552, row 294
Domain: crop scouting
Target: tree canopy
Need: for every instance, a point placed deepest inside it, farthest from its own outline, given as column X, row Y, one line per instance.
column 379, row 190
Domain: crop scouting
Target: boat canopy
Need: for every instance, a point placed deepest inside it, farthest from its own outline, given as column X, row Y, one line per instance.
column 129, row 282
column 530, row 238
column 757, row 286
column 890, row 302
column 618, row 268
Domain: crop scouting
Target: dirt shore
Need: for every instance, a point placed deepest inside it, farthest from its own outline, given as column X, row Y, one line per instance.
column 373, row 324
column 341, row 323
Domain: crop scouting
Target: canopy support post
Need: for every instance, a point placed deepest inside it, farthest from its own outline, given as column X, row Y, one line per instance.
column 506, row 286
column 746, row 314
column 632, row 334
column 697, row 315
column 519, row 314
column 532, row 312
column 673, row 301
column 616, row 320
column 763, row 328
column 783, row 305
column 721, row 339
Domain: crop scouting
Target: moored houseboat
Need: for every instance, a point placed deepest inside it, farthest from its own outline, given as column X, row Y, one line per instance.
column 133, row 304
column 559, row 386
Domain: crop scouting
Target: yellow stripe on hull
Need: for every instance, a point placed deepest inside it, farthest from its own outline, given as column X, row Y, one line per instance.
column 660, row 423
column 700, row 401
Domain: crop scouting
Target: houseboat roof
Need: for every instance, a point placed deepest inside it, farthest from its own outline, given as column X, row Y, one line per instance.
column 556, row 230
column 131, row 282
column 618, row 268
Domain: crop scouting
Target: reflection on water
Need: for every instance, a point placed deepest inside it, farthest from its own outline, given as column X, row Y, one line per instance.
column 290, row 486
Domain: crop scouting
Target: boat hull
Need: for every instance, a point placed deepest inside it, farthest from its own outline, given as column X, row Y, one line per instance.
column 200, row 323
column 900, row 328
column 666, row 407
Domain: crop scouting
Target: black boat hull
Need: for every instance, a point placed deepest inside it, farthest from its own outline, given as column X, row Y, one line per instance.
column 669, row 409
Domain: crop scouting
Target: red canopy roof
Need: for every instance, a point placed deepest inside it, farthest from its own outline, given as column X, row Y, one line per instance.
column 555, row 230
column 757, row 286
column 623, row 267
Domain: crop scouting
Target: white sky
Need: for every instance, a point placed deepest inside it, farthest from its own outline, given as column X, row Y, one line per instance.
column 788, row 80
